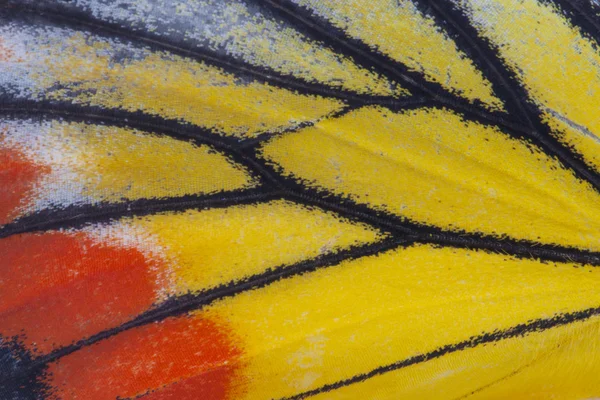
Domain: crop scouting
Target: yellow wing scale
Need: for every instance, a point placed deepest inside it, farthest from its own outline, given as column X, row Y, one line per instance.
column 87, row 70
column 434, row 167
column 214, row 247
column 557, row 64
column 304, row 333
column 417, row 321
column 521, row 367
column 401, row 31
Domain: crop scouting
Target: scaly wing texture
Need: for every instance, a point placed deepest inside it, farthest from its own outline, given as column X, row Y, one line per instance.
column 291, row 199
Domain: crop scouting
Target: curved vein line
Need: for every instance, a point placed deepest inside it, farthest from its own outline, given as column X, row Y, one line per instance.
column 565, row 156
column 393, row 70
column 542, row 139
column 363, row 55
column 190, row 302
column 522, row 249
column 290, row 189
column 230, row 64
column 570, row 160
column 538, row 325
column 405, row 105
column 537, row 130
column 580, row 128
column 519, row 330
column 504, row 77
column 78, row 216
column 341, row 43
column 508, row 376
column 433, row 235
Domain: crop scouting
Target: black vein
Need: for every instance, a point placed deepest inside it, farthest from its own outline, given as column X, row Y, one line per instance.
column 402, row 232
column 372, row 60
column 194, row 301
column 504, row 378
column 273, row 185
column 78, row 216
column 368, row 58
column 521, row 330
column 386, row 66
column 504, row 83
column 153, row 42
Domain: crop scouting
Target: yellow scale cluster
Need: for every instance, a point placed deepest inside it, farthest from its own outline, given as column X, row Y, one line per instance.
column 430, row 165
column 399, row 30
column 556, row 63
column 172, row 87
column 208, row 248
column 302, row 333
column 433, row 167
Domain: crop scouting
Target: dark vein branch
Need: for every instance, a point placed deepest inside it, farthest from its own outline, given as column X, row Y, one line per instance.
column 275, row 185
column 190, row 302
column 369, row 58
column 77, row 216
column 502, row 81
column 232, row 65
column 539, row 325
